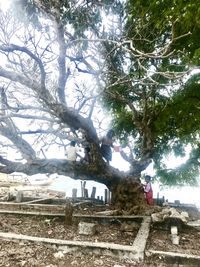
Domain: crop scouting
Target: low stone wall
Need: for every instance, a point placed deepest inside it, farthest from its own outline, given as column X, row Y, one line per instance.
column 32, row 207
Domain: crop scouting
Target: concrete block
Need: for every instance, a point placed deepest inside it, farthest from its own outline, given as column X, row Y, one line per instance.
column 175, row 239
column 86, row 228
column 174, row 230
column 139, row 243
column 19, row 196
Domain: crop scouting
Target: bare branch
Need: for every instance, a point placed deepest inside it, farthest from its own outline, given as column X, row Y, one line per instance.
column 30, row 117
column 61, row 63
column 13, row 47
column 62, row 167
column 26, row 150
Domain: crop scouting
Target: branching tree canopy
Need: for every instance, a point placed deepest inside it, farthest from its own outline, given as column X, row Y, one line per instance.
column 65, row 64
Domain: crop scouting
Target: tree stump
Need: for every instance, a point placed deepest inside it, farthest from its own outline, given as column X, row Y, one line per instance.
column 68, row 212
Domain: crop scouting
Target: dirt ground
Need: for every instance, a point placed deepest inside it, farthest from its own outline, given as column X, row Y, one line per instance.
column 21, row 253
column 56, row 228
column 14, row 253
column 161, row 240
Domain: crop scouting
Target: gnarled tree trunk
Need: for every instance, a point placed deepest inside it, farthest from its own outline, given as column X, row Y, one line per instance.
column 128, row 195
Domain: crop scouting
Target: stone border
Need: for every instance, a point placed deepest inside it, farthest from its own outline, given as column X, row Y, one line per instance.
column 140, row 241
column 34, row 206
column 96, row 247
column 34, row 213
column 175, row 257
column 107, row 218
column 134, row 252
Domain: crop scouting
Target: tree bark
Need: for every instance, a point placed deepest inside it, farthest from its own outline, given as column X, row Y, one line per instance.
column 128, row 195
column 127, row 192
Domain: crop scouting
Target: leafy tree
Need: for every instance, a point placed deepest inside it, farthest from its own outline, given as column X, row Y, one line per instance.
column 147, row 93
column 67, row 59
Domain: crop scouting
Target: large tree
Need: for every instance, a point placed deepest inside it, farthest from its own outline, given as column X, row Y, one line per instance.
column 66, row 60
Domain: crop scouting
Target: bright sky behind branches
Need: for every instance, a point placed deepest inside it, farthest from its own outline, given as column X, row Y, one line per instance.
column 4, row 4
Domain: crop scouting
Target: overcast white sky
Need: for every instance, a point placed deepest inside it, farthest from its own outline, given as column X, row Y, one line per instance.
column 4, row 4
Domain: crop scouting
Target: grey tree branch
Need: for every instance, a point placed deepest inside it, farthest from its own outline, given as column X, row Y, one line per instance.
column 26, row 150
column 13, row 47
column 62, row 167
column 61, row 63
column 68, row 116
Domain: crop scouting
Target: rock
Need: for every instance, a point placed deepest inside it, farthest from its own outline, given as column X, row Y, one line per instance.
column 175, row 239
column 177, row 215
column 174, row 230
column 156, row 217
column 59, row 255
column 170, row 213
column 98, row 262
column 173, row 211
column 23, row 263
column 165, row 211
column 75, row 262
column 125, row 227
column 86, row 228
column 185, row 214
column 194, row 223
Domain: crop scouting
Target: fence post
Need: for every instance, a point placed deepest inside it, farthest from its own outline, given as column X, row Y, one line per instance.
column 93, row 192
column 74, row 193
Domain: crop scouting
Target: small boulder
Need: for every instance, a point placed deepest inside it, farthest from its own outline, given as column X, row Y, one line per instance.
column 86, row 228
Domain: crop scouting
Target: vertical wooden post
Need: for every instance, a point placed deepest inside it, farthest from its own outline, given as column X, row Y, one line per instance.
column 109, row 196
column 93, row 192
column 106, row 196
column 68, row 212
column 74, row 193
column 85, row 193
column 82, row 193
column 19, row 196
column 83, row 184
column 158, row 200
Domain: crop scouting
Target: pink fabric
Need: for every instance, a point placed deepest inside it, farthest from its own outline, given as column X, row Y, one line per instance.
column 148, row 193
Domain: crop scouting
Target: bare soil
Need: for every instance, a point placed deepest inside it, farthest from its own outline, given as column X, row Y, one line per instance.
column 13, row 253
column 189, row 241
column 56, row 228
column 18, row 253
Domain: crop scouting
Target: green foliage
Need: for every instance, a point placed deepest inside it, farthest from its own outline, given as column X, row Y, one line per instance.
column 181, row 116
column 161, row 20
column 184, row 174
column 26, row 11
column 82, row 16
column 170, row 112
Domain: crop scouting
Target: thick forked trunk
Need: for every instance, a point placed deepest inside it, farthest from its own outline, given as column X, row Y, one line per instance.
column 128, row 195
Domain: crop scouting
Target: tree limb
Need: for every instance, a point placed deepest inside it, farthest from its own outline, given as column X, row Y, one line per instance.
column 23, row 49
